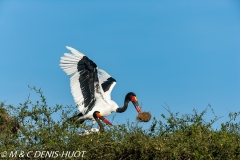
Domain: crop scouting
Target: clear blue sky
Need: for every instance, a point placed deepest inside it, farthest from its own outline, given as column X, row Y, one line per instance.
column 183, row 53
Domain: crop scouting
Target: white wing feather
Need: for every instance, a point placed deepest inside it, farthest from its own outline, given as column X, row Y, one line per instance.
column 75, row 52
column 103, row 76
column 69, row 63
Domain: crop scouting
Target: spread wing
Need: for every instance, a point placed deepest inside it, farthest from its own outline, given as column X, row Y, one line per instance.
column 107, row 82
column 84, row 80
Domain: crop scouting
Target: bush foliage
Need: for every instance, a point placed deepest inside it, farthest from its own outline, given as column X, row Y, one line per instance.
column 32, row 127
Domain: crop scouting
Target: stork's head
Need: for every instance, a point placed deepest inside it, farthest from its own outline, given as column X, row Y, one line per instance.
column 133, row 98
column 98, row 115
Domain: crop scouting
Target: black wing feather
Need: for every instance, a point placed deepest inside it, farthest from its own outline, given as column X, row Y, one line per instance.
column 106, row 85
column 88, row 78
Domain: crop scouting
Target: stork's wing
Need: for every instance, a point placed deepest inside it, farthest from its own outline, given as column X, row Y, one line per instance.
column 107, row 82
column 84, row 80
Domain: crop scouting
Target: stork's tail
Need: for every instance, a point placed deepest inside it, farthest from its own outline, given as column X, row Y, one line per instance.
column 69, row 62
column 76, row 117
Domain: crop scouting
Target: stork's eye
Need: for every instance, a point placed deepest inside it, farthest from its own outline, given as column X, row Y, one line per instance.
column 134, row 98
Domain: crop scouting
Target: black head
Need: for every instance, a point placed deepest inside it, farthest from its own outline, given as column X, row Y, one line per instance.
column 130, row 96
column 97, row 115
column 133, row 98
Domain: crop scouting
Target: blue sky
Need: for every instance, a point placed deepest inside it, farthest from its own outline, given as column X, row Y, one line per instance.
column 183, row 53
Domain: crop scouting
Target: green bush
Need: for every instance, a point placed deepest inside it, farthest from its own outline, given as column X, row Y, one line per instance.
column 32, row 127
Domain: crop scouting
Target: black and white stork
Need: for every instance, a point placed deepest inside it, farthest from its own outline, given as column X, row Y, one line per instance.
column 91, row 88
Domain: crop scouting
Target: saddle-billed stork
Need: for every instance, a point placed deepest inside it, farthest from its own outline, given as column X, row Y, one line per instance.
column 91, row 88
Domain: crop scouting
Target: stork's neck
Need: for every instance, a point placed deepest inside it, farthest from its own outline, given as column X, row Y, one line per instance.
column 125, row 106
column 100, row 125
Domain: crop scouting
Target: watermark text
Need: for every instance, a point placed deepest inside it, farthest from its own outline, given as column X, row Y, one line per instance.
column 42, row 154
